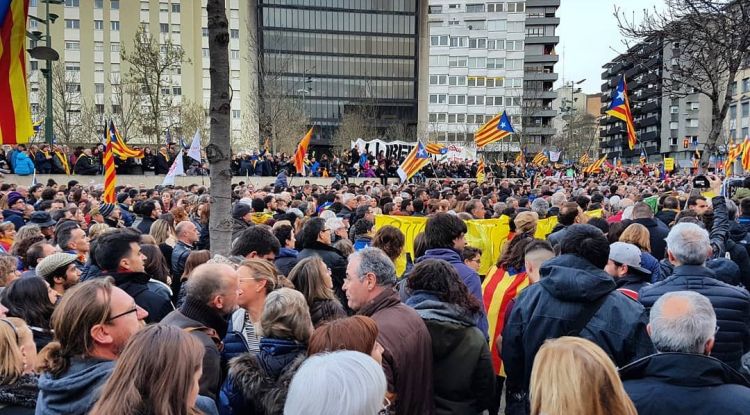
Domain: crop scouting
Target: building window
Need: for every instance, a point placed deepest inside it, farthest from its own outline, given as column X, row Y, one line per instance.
column 176, row 29
column 497, row 25
column 454, row 22
column 72, row 3
column 476, row 81
column 98, row 4
column 438, row 79
column 72, row 24
column 457, row 80
column 439, row 60
column 98, row 67
column 494, row 7
column 439, row 40
column 435, row 9
column 176, row 90
column 477, row 63
column 99, row 88
column 457, row 99
column 175, row 7
column 535, row 31
column 145, row 6
column 745, row 109
column 516, row 7
column 34, row 65
column 475, row 8
column 114, row 4
column 476, row 100
column 495, row 63
column 457, row 61
column 745, row 132
column 72, row 45
column 476, row 24
column 164, row 27
column 479, row 43
column 235, row 54
column 235, row 33
column 115, row 47
column 115, row 26
column 99, row 24
column 236, row 114
column 72, row 87
column 205, row 52
column 515, row 27
column 732, row 111
column 692, row 123
column 746, row 85
column 205, row 32
column 516, row 45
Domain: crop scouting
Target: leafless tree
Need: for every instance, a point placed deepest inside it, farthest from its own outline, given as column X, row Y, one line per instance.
column 579, row 135
column 152, row 64
column 191, row 116
column 357, row 122
column 710, row 39
column 218, row 151
column 66, row 102
column 400, row 131
column 125, row 107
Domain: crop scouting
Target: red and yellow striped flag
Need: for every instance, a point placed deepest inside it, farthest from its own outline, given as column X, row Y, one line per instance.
column 301, row 153
column 480, row 172
column 596, row 166
column 540, row 159
column 746, row 154
column 495, row 130
column 15, row 115
column 110, row 176
column 436, row 149
column 520, row 158
column 585, row 159
column 734, row 151
column 119, row 147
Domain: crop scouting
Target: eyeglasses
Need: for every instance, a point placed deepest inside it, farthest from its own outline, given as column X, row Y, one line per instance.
column 124, row 313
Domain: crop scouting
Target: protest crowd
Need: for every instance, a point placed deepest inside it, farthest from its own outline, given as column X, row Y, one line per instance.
column 534, row 291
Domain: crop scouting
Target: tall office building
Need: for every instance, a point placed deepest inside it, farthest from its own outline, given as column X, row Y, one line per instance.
column 90, row 34
column 341, row 56
column 666, row 126
column 490, row 57
column 738, row 119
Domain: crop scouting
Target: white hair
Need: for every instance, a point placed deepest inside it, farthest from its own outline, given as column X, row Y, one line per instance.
column 685, row 333
column 558, row 199
column 335, row 223
column 689, row 243
column 347, row 197
column 327, row 215
column 342, row 382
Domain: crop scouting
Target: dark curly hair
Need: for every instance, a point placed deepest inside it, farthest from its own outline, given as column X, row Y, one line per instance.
column 513, row 252
column 439, row 276
column 391, row 240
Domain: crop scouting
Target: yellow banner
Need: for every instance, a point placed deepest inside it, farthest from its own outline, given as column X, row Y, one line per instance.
column 668, row 163
column 489, row 235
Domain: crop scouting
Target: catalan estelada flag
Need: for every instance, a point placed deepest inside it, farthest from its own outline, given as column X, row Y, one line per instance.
column 15, row 115
column 734, row 151
column 619, row 107
column 746, row 154
column 494, row 130
column 585, row 159
column 596, row 166
column 540, row 158
column 520, row 158
column 119, row 148
column 301, row 153
column 110, row 176
column 414, row 161
column 480, row 172
column 436, row 149
column 498, row 289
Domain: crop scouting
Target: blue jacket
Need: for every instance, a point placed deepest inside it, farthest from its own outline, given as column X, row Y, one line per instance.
column 285, row 260
column 235, row 343
column 468, row 276
column 15, row 217
column 76, row 391
column 569, row 285
column 127, row 217
column 23, row 166
column 682, row 383
column 258, row 384
column 732, row 306
column 281, row 181
column 362, row 242
column 649, row 262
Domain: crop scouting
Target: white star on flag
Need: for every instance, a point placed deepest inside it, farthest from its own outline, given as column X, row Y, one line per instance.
column 621, row 95
column 502, row 125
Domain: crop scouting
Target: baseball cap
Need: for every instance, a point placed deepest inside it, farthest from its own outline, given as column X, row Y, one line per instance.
column 627, row 254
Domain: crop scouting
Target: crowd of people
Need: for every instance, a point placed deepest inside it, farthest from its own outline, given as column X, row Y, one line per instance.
column 625, row 307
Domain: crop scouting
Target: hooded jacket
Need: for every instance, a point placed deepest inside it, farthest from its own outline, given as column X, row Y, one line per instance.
column 75, row 391
column 258, row 384
column 407, row 352
column 468, row 276
column 569, row 285
column 23, row 165
column 732, row 306
column 136, row 285
column 683, row 383
column 285, row 260
column 463, row 377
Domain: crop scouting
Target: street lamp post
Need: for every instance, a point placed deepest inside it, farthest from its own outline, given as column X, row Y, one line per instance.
column 47, row 54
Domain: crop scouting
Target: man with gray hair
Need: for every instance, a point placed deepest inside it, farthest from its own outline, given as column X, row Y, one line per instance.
column 407, row 345
column 540, row 206
column 682, row 377
column 688, row 248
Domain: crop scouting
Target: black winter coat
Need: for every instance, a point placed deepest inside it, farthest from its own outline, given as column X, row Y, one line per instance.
column 657, row 231
column 680, row 383
column 285, row 260
column 546, row 310
column 323, row 311
column 732, row 306
column 155, row 303
column 333, row 260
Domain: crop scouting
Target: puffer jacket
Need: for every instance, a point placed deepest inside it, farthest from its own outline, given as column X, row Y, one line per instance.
column 258, row 384
column 732, row 306
column 569, row 285
column 333, row 260
column 468, row 276
column 23, row 166
column 285, row 260
column 235, row 343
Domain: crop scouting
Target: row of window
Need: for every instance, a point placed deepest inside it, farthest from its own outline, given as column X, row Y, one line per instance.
column 474, row 100
column 744, row 108
column 98, row 4
column 465, row 118
column 338, row 21
column 340, row 65
column 475, row 63
column 114, row 25
column 476, row 43
column 379, row 5
column 163, row 7
column 510, row 7
column 745, row 86
column 338, row 43
column 347, row 88
column 461, row 80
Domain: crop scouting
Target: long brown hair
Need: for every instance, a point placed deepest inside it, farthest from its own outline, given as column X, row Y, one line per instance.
column 154, row 374
column 82, row 307
column 13, row 334
column 193, row 260
column 391, row 240
column 572, row 375
column 357, row 333
column 308, row 279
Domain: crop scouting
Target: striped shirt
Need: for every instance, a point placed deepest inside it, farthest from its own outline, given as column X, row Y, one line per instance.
column 251, row 336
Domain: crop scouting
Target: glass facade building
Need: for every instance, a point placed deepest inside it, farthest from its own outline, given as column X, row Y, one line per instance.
column 337, row 55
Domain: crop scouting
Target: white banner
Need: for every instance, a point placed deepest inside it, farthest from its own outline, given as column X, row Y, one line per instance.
column 554, row 156
column 397, row 149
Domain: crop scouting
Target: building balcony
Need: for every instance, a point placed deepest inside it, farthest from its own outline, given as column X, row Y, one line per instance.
column 540, row 76
column 545, row 40
column 541, row 58
column 533, row 130
column 651, row 106
column 647, row 122
column 542, row 3
column 538, row 21
column 539, row 94
column 649, row 136
column 540, row 112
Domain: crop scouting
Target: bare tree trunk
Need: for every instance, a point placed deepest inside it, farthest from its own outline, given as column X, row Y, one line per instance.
column 218, row 150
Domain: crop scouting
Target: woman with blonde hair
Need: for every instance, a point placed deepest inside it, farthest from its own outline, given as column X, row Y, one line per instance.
column 156, row 373
column 8, row 270
column 7, row 235
column 572, row 375
column 639, row 236
column 165, row 237
column 312, row 277
column 258, row 278
column 18, row 383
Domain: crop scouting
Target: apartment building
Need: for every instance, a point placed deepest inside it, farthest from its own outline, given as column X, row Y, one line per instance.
column 489, row 57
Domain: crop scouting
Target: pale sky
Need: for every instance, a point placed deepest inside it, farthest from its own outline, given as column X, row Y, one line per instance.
column 589, row 38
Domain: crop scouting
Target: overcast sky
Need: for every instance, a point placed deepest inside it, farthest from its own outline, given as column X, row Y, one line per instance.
column 589, row 38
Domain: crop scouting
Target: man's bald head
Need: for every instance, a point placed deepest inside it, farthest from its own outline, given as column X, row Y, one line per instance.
column 208, row 281
column 684, row 322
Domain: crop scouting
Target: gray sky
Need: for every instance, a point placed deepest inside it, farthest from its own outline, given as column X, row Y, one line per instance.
column 589, row 38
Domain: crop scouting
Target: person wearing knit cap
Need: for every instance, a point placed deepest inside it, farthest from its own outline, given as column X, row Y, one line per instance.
column 124, row 201
column 60, row 271
column 16, row 206
column 241, row 218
